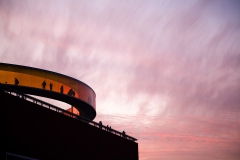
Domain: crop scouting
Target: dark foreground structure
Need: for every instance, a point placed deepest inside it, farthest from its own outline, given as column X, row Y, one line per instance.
column 32, row 129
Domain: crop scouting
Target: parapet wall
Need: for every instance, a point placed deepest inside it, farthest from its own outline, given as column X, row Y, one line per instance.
column 37, row 132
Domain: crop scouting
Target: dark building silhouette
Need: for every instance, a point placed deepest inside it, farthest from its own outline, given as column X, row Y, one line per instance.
column 32, row 129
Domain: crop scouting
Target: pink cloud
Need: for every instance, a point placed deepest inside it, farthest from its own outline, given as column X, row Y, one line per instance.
column 166, row 72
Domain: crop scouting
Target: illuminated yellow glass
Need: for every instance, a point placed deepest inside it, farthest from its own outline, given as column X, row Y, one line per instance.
column 42, row 79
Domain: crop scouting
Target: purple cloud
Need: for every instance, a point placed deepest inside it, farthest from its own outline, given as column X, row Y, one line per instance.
column 166, row 72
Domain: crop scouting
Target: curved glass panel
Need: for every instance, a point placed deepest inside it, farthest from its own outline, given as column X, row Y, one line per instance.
column 42, row 79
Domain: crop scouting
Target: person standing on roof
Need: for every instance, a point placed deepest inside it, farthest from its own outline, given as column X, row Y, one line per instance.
column 100, row 124
column 124, row 134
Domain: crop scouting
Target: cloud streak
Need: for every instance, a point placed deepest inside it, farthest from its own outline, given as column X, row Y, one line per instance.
column 165, row 72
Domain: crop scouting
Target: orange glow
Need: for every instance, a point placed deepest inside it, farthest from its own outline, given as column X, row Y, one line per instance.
column 36, row 78
column 73, row 110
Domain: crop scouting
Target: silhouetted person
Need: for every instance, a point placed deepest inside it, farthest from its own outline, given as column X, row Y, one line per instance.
column 44, row 84
column 71, row 92
column 100, row 124
column 16, row 82
column 123, row 134
column 61, row 89
column 110, row 129
column 51, row 85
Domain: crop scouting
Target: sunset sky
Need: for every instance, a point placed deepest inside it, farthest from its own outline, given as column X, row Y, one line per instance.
column 165, row 71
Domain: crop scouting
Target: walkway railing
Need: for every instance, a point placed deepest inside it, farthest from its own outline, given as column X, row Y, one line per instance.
column 62, row 111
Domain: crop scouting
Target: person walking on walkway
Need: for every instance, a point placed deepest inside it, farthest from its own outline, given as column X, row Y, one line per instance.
column 61, row 89
column 16, row 82
column 51, row 85
column 44, row 84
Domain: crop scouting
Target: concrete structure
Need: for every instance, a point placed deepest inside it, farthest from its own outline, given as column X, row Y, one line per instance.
column 34, row 129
